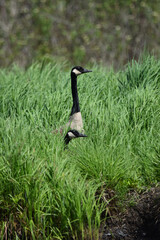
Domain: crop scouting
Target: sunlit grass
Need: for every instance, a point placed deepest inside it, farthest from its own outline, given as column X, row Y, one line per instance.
column 49, row 193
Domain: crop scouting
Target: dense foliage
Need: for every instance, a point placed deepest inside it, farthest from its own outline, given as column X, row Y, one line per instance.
column 49, row 193
column 111, row 31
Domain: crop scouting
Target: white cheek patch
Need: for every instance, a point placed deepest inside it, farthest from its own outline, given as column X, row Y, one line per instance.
column 76, row 72
column 71, row 135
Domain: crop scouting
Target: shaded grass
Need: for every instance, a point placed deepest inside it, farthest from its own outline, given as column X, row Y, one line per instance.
column 49, row 193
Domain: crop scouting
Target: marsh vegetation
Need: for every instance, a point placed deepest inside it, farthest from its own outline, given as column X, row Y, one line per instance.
column 49, row 193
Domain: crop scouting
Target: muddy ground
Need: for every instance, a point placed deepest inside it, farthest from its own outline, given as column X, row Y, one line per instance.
column 138, row 222
column 137, row 218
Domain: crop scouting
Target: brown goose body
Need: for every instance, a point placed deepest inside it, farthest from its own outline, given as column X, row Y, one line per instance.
column 76, row 122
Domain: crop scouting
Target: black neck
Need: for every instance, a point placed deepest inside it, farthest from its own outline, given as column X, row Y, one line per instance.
column 75, row 107
column 66, row 139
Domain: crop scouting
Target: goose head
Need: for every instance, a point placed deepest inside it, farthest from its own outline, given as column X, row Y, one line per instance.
column 73, row 134
column 78, row 70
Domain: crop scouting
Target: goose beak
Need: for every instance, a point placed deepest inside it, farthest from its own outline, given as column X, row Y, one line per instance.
column 82, row 135
column 86, row 71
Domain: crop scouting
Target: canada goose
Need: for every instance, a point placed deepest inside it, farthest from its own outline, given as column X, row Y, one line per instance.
column 72, row 134
column 75, row 120
column 75, row 123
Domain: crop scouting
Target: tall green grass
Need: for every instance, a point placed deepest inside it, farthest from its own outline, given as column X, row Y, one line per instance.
column 49, row 193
